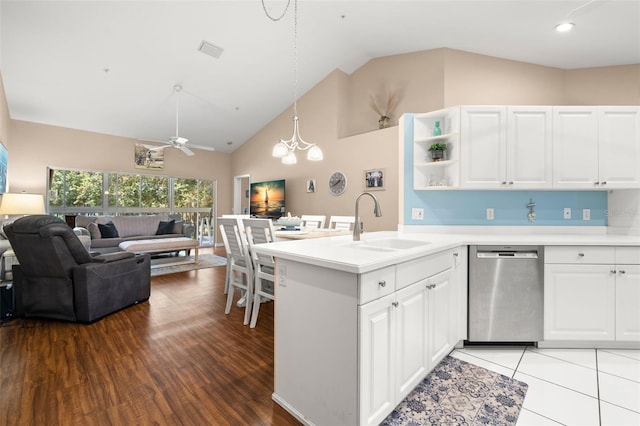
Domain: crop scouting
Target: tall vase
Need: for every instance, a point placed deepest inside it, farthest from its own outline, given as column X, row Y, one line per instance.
column 437, row 131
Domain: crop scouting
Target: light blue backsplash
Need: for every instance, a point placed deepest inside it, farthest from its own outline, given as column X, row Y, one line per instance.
column 464, row 207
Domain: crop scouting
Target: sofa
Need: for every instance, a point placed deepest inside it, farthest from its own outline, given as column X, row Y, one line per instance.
column 107, row 232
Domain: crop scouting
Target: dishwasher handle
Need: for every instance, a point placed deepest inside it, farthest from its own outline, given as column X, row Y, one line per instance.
column 507, row 255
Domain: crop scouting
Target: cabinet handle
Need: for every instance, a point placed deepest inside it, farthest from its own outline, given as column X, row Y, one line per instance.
column 613, row 271
column 511, row 183
column 596, row 183
column 456, row 254
column 604, row 182
column 622, row 271
column 430, row 286
column 382, row 283
column 503, row 182
column 395, row 304
column 580, row 254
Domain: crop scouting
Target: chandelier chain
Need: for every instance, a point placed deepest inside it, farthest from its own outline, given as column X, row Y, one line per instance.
column 278, row 18
column 295, row 57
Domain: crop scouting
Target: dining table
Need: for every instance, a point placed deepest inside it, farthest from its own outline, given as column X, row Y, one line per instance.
column 308, row 233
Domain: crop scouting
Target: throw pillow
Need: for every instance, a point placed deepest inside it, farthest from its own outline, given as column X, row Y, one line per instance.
column 94, row 231
column 108, row 230
column 165, row 227
column 177, row 228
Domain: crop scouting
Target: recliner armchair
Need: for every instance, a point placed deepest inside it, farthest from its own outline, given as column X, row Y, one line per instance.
column 58, row 278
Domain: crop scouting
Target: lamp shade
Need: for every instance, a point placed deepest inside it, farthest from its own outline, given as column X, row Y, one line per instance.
column 21, row 204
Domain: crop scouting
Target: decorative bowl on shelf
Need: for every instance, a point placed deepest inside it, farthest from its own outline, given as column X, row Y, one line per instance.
column 289, row 223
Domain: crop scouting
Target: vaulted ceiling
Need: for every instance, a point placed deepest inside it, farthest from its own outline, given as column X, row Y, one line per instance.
column 111, row 66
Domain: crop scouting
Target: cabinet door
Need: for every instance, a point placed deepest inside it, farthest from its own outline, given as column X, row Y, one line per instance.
column 529, row 148
column 483, row 139
column 377, row 360
column 411, row 337
column 575, row 147
column 628, row 302
column 619, row 147
column 439, row 327
column 579, row 302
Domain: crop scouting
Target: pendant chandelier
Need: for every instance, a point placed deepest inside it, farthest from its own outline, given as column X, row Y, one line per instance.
column 286, row 149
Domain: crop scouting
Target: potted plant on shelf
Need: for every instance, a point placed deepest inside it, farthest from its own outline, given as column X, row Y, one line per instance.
column 437, row 151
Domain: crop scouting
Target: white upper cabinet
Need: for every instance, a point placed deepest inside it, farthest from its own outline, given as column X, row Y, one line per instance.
column 506, row 147
column 619, row 147
column 529, row 147
column 596, row 147
column 483, row 139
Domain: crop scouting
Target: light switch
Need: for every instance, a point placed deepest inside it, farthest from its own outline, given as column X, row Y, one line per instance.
column 586, row 214
column 417, row 214
column 567, row 213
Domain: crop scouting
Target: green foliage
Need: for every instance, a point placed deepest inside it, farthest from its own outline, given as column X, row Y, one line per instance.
column 439, row 146
column 69, row 188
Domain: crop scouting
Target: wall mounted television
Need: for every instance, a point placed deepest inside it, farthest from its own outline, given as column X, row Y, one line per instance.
column 267, row 199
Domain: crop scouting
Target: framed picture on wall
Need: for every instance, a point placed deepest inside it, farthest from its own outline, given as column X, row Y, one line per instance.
column 147, row 157
column 3, row 168
column 374, row 179
column 311, row 185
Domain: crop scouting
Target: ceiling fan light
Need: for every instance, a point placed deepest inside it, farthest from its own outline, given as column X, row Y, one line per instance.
column 314, row 153
column 280, row 150
column 290, row 158
column 564, row 27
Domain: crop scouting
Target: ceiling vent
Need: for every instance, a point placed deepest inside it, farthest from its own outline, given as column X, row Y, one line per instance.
column 210, row 49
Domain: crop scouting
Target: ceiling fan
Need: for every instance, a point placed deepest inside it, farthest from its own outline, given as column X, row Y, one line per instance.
column 175, row 141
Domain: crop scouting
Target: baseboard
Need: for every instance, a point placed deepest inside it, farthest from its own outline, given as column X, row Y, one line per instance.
column 281, row 402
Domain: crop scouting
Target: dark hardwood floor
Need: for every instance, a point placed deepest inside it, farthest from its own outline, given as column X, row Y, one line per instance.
column 174, row 360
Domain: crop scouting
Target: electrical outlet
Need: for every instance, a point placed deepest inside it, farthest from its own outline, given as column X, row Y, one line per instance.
column 567, row 213
column 417, row 214
column 586, row 214
column 489, row 214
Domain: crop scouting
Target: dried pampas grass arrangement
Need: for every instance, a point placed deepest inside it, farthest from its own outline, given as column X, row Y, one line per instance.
column 383, row 107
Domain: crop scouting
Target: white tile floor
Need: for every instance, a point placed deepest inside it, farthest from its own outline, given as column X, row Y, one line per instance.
column 568, row 386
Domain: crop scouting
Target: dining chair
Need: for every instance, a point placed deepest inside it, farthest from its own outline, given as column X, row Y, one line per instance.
column 313, row 221
column 239, row 266
column 228, row 251
column 342, row 222
column 260, row 231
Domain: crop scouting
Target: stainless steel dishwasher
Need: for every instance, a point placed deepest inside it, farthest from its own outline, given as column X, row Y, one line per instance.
column 506, row 293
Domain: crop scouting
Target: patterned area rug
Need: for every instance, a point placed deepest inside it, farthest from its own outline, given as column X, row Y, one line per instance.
column 205, row 260
column 459, row 393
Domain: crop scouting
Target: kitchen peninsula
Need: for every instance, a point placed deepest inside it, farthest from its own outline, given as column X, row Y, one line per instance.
column 359, row 323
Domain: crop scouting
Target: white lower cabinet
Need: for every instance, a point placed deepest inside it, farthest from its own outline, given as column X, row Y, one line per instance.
column 590, row 295
column 439, row 309
column 628, row 303
column 349, row 347
column 402, row 337
column 579, row 302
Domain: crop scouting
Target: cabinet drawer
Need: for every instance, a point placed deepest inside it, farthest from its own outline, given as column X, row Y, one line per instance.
column 628, row 255
column 424, row 267
column 376, row 284
column 580, row 254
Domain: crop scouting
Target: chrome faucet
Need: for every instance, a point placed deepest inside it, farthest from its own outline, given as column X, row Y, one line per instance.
column 376, row 210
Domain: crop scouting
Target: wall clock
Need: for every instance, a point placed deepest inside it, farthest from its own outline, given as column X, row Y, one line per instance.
column 337, row 183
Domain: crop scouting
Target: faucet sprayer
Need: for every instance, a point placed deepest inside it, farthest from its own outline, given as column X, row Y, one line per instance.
column 376, row 211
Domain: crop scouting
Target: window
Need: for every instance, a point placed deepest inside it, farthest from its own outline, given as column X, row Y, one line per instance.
column 71, row 192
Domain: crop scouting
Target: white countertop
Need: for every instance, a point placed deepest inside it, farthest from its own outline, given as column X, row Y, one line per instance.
column 342, row 253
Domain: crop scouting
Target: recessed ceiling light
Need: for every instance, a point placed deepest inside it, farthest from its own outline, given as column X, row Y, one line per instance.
column 564, row 27
column 210, row 49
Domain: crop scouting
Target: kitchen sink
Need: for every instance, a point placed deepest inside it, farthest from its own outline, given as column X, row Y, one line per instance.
column 388, row 244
